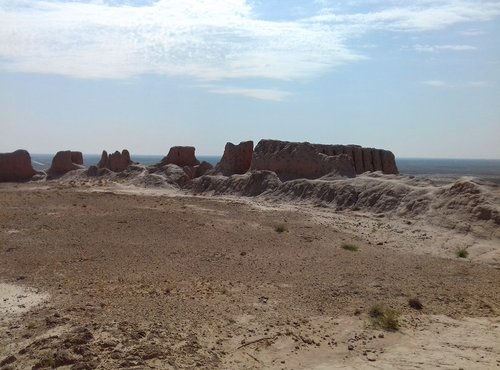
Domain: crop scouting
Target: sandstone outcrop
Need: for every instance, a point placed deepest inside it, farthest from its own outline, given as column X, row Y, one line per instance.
column 65, row 161
column 181, row 156
column 237, row 159
column 304, row 160
column 300, row 160
column 116, row 162
column 16, row 166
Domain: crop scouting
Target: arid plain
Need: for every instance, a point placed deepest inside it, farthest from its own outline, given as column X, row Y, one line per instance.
column 98, row 274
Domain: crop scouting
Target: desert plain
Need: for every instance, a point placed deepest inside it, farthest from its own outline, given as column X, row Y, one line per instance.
column 107, row 275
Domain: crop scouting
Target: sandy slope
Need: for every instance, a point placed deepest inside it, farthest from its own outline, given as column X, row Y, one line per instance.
column 152, row 278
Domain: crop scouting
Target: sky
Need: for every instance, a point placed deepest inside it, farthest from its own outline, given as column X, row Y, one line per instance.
column 420, row 78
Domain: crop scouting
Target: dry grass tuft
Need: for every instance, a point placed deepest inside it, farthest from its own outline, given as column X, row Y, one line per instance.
column 281, row 228
column 350, row 247
column 384, row 318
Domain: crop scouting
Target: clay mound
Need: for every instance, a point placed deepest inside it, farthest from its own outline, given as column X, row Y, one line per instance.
column 16, row 166
column 236, row 159
column 465, row 202
column 174, row 174
column 468, row 196
column 65, row 161
column 252, row 183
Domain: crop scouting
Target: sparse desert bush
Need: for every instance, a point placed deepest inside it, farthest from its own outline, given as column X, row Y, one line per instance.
column 281, row 228
column 384, row 318
column 462, row 253
column 350, row 247
column 415, row 303
column 376, row 310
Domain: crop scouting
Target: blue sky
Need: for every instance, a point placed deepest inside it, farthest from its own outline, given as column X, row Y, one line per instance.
column 421, row 78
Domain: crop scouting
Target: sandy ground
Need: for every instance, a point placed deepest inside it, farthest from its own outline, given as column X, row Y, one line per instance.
column 118, row 277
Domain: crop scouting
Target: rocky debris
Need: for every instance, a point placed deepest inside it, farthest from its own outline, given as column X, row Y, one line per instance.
column 306, row 160
column 65, row 161
column 300, row 160
column 16, row 166
column 181, row 156
column 116, row 162
column 237, row 159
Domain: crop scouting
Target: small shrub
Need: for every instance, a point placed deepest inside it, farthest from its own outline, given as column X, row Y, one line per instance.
column 383, row 318
column 281, row 228
column 415, row 303
column 350, row 247
column 376, row 310
column 462, row 253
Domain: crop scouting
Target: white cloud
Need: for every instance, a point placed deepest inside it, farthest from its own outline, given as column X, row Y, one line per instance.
column 472, row 32
column 437, row 48
column 437, row 84
column 440, row 84
column 478, row 83
column 199, row 38
column 261, row 94
column 422, row 15
column 205, row 39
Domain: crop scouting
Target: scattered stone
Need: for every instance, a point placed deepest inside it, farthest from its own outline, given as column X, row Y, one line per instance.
column 371, row 357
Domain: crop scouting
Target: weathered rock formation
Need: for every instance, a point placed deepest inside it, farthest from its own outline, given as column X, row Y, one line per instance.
column 304, row 160
column 116, row 162
column 300, row 160
column 237, row 159
column 181, row 156
column 16, row 166
column 365, row 159
column 65, row 161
